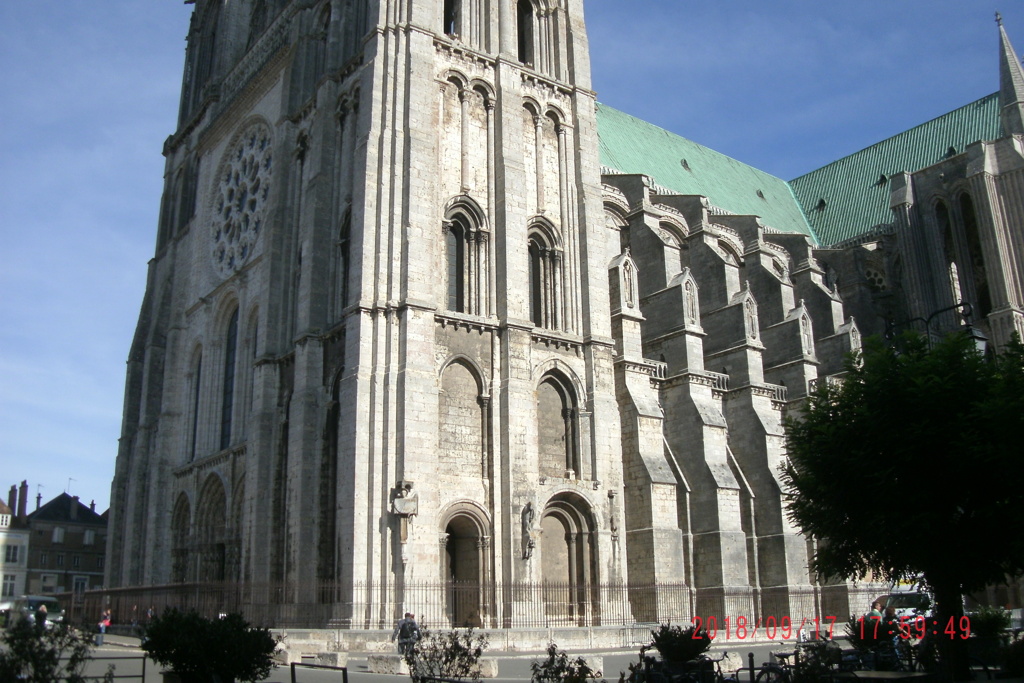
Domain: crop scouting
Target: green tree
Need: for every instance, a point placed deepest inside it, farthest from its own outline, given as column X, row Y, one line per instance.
column 202, row 650
column 40, row 654
column 912, row 466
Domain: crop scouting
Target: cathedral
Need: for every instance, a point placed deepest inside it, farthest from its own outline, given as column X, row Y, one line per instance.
column 428, row 328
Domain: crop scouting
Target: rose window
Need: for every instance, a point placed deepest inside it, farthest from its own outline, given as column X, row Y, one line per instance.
column 241, row 200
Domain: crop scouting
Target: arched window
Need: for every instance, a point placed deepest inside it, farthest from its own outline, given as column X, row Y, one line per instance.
column 979, row 275
column 455, row 247
column 449, row 22
column 557, row 429
column 257, row 21
column 181, row 522
column 466, row 258
column 228, row 385
column 524, row 25
column 568, row 559
column 320, row 56
column 211, row 531
column 341, row 271
column 545, row 272
column 197, row 376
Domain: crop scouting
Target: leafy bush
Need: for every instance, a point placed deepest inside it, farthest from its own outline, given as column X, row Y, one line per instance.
column 678, row 644
column 866, row 634
column 199, row 649
column 1014, row 662
column 446, row 654
column 817, row 660
column 990, row 622
column 37, row 654
column 558, row 668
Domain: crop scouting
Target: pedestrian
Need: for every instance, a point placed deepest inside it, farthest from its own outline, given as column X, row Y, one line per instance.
column 41, row 615
column 876, row 610
column 103, row 624
column 407, row 631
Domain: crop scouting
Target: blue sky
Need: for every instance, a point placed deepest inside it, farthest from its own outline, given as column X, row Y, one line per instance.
column 91, row 92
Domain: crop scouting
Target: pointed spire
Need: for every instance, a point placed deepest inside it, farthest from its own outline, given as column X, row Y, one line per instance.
column 1011, row 85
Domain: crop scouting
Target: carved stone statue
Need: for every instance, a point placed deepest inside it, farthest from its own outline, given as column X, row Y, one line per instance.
column 527, row 517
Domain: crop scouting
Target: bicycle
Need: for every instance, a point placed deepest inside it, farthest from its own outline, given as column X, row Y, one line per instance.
column 716, row 669
column 776, row 672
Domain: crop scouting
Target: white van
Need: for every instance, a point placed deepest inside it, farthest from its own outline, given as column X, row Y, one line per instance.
column 27, row 606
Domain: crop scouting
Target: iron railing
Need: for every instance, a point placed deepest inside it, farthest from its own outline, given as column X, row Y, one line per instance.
column 376, row 605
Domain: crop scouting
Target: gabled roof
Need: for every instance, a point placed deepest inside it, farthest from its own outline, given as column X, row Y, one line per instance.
column 855, row 194
column 630, row 145
column 59, row 510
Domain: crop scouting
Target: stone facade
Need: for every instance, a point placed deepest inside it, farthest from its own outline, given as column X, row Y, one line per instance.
column 400, row 331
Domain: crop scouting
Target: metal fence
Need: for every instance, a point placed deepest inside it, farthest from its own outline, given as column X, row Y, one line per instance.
column 495, row 605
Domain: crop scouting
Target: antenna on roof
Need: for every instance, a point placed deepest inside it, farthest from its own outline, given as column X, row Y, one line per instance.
column 68, row 489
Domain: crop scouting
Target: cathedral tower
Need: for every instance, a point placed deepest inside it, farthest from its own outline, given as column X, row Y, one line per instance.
column 375, row 352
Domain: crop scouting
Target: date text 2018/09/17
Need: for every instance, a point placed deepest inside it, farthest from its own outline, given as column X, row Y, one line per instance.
column 771, row 628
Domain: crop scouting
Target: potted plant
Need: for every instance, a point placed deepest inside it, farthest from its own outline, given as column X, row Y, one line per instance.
column 200, row 650
column 679, row 647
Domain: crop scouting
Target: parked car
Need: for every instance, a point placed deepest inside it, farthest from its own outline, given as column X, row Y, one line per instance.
column 27, row 606
column 909, row 604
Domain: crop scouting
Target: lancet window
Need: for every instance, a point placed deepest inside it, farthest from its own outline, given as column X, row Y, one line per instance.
column 545, row 278
column 450, row 18
column 466, row 247
column 228, row 386
column 525, row 32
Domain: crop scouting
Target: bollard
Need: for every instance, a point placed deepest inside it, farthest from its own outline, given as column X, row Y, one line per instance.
column 750, row 658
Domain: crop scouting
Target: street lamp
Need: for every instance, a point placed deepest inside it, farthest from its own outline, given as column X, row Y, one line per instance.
column 974, row 334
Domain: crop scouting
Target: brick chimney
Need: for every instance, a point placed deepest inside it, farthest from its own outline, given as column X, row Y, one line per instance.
column 12, row 499
column 92, row 506
column 74, row 508
column 23, row 500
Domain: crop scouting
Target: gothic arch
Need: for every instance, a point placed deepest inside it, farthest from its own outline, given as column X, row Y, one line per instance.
column 466, row 257
column 463, row 420
column 484, row 89
column 465, row 563
column 544, row 251
column 181, row 538
column 229, row 377
column 211, row 529
column 559, row 449
column 568, row 556
column 532, row 106
column 194, row 377
column 555, row 114
column 975, row 253
column 473, row 367
column 676, row 230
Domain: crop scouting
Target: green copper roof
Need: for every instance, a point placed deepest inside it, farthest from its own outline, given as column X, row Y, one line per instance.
column 856, row 196
column 630, row 145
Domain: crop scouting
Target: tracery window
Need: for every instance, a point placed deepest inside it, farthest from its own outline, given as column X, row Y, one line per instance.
column 242, row 199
